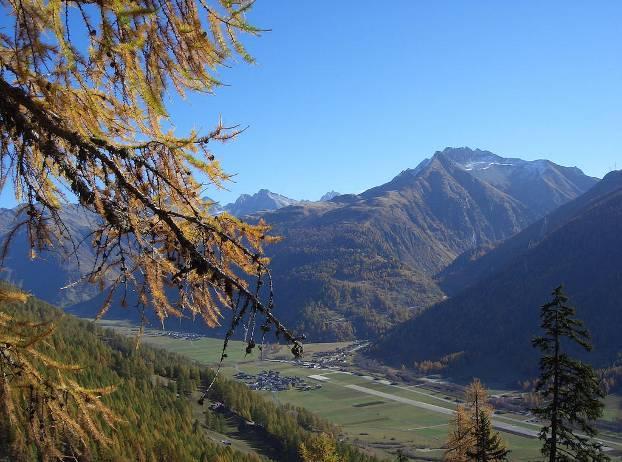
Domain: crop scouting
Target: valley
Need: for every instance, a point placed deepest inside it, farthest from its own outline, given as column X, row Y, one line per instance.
column 392, row 288
column 250, row 231
column 499, row 293
column 372, row 411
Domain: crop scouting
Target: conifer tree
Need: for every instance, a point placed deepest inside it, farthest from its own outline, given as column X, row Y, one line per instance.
column 471, row 437
column 60, row 412
column 460, row 439
column 82, row 111
column 488, row 444
column 570, row 390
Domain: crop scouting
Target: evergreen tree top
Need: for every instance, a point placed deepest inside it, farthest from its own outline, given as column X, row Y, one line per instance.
column 570, row 390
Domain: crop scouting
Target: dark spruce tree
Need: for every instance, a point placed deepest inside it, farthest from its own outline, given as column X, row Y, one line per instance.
column 488, row 444
column 570, row 389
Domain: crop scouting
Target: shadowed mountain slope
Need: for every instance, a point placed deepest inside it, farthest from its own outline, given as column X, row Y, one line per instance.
column 46, row 275
column 492, row 320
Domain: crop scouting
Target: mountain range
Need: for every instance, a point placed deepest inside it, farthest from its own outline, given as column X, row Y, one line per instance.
column 60, row 271
column 247, row 204
column 262, row 201
column 357, row 265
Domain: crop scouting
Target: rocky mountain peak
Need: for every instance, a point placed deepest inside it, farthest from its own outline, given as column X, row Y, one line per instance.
column 477, row 159
column 329, row 195
column 262, row 200
column 465, row 155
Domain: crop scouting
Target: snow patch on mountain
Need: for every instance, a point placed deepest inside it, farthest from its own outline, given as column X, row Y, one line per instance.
column 486, row 165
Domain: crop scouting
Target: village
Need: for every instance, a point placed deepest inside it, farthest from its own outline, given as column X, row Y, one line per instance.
column 269, row 380
column 191, row 336
column 339, row 358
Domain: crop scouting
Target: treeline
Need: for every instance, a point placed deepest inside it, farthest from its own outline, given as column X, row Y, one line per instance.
column 153, row 400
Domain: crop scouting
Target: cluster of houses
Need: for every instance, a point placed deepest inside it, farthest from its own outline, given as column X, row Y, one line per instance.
column 331, row 359
column 273, row 381
column 338, row 359
column 335, row 359
column 180, row 335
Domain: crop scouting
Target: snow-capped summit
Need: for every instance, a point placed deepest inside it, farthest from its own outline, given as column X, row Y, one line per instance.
column 493, row 168
column 476, row 159
column 528, row 180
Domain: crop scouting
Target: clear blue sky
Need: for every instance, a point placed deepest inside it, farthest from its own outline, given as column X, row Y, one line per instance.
column 346, row 94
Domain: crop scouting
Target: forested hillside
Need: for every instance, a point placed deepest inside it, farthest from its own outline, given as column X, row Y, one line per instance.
column 488, row 326
column 153, row 400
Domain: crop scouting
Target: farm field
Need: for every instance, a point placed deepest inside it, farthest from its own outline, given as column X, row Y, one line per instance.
column 374, row 414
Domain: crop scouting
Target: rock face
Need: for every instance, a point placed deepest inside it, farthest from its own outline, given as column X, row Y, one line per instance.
column 493, row 313
column 329, row 195
column 261, row 201
column 540, row 184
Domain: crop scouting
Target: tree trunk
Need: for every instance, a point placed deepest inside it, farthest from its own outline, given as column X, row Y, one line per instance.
column 553, row 452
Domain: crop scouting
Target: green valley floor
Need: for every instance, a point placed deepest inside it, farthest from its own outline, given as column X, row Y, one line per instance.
column 375, row 414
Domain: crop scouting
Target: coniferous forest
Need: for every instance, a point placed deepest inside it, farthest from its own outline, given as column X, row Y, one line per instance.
column 154, row 392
